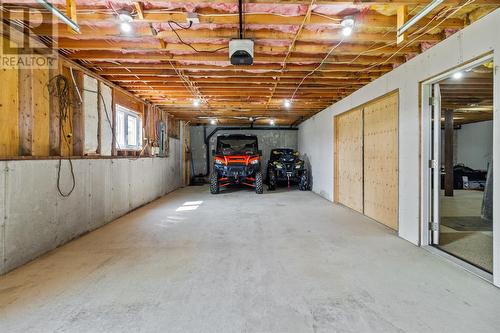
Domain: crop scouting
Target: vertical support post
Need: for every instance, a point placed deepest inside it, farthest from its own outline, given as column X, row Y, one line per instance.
column 25, row 112
column 54, row 117
column 71, row 13
column 448, row 153
column 402, row 17
column 99, row 118
column 113, row 122
column 78, row 116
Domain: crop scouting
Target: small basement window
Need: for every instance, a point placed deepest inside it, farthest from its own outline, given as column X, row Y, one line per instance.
column 128, row 129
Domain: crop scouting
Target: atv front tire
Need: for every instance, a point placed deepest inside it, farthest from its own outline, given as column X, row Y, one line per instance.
column 271, row 178
column 214, row 183
column 304, row 182
column 259, row 183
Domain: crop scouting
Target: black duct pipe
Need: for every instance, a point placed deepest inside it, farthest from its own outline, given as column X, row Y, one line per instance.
column 240, row 7
column 232, row 128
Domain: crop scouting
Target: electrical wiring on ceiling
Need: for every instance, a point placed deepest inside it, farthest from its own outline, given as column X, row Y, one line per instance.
column 187, row 44
column 439, row 15
column 317, row 67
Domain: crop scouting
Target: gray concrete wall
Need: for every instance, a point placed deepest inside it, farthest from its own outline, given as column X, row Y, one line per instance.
column 267, row 141
column 36, row 219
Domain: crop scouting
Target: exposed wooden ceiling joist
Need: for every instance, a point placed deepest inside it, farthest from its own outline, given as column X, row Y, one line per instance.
column 154, row 64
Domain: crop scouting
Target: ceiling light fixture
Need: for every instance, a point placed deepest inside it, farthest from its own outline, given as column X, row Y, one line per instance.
column 457, row 75
column 347, row 25
column 427, row 9
column 287, row 103
column 196, row 102
column 125, row 27
column 213, row 121
column 272, row 122
column 125, row 22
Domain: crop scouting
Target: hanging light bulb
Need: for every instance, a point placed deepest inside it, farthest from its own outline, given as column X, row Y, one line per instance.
column 347, row 25
column 125, row 22
column 125, row 27
column 213, row 121
column 458, row 75
column 272, row 122
column 287, row 103
column 196, row 102
column 346, row 31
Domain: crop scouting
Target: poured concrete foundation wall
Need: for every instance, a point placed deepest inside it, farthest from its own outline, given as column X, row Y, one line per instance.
column 268, row 140
column 36, row 219
column 316, row 134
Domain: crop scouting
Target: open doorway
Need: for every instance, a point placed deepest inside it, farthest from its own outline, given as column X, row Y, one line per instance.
column 461, row 166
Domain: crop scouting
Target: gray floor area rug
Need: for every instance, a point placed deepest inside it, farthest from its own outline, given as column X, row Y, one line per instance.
column 466, row 223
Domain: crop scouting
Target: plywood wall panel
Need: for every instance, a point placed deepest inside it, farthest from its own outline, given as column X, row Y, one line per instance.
column 381, row 160
column 349, row 159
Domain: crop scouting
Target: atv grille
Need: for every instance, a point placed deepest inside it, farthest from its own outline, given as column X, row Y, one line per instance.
column 237, row 161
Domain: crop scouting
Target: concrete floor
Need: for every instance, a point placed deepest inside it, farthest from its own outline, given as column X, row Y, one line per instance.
column 241, row 262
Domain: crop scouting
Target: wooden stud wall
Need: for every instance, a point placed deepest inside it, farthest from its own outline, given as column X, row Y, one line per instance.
column 381, row 160
column 41, row 118
column 9, row 110
column 349, row 159
column 30, row 124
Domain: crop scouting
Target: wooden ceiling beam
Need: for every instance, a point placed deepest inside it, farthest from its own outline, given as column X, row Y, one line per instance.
column 103, row 66
column 311, row 80
column 259, row 58
column 208, row 87
column 345, row 48
column 197, row 74
column 329, row 36
column 371, row 19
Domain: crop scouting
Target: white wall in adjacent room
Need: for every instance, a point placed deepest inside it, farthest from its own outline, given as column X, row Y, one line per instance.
column 474, row 145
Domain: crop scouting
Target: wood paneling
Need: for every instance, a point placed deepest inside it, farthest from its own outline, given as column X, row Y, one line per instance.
column 25, row 85
column 381, row 160
column 349, row 159
column 40, row 104
column 9, row 108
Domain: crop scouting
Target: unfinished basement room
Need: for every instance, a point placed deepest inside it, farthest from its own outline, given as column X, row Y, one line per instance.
column 254, row 166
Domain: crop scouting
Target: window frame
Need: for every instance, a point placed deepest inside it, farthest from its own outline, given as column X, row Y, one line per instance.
column 127, row 113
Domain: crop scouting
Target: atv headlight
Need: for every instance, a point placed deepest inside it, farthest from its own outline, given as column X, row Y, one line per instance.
column 219, row 161
column 278, row 165
column 256, row 161
column 298, row 164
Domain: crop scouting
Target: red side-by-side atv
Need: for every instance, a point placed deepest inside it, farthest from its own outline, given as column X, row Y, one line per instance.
column 236, row 161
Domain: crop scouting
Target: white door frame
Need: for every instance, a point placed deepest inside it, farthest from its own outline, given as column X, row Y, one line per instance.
column 427, row 206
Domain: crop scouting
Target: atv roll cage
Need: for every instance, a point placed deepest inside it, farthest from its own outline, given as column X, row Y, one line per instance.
column 236, row 161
